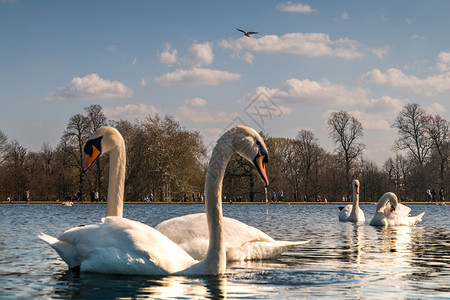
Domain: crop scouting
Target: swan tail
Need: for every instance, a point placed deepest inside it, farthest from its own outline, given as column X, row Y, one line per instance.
column 418, row 218
column 47, row 238
column 258, row 250
column 66, row 250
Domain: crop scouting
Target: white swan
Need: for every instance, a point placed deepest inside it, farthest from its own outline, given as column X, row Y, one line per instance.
column 353, row 213
column 122, row 246
column 391, row 213
column 242, row 241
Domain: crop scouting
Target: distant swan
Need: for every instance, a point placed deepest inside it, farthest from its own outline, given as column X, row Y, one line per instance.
column 352, row 213
column 122, row 246
column 391, row 213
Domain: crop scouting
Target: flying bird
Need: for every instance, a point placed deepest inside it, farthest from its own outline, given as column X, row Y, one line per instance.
column 247, row 34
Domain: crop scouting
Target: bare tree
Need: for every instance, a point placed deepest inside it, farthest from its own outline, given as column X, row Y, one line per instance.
column 308, row 152
column 438, row 131
column 64, row 176
column 3, row 145
column 96, row 119
column 15, row 159
column 346, row 131
column 411, row 124
column 95, row 116
column 76, row 134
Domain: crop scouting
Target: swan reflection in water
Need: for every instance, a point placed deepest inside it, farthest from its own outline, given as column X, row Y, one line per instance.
column 103, row 286
column 353, row 249
column 395, row 255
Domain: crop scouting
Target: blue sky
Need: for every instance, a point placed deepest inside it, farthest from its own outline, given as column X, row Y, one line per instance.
column 186, row 59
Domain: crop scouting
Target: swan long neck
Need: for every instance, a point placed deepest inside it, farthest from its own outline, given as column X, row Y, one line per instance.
column 387, row 197
column 355, row 207
column 116, row 184
column 213, row 191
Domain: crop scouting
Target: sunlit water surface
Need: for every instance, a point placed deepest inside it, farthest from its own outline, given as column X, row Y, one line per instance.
column 342, row 260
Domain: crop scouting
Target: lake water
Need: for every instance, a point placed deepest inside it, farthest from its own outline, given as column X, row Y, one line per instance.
column 342, row 260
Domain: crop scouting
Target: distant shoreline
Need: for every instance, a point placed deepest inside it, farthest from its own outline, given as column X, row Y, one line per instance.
column 195, row 203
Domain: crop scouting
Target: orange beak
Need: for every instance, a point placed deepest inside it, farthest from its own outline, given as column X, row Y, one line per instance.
column 261, row 167
column 91, row 158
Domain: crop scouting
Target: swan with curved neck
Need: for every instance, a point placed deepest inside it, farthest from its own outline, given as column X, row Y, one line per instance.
column 353, row 213
column 109, row 140
column 391, row 213
column 242, row 242
column 122, row 246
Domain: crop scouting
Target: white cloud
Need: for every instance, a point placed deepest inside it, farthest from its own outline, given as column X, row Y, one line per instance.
column 379, row 113
column 130, row 112
column 344, row 15
column 143, row 81
column 396, row 78
column 418, row 37
column 385, row 105
column 417, row 65
column 443, row 63
column 204, row 116
column 321, row 92
column 91, row 87
column 196, row 102
column 435, row 109
column 134, row 61
column 308, row 44
column 169, row 55
column 295, row 7
column 193, row 112
column 380, row 52
column 112, row 49
column 371, row 121
column 246, row 56
column 196, row 77
column 201, row 54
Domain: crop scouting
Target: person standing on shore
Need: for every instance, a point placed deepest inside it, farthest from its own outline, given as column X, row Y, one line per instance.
column 433, row 195
column 429, row 195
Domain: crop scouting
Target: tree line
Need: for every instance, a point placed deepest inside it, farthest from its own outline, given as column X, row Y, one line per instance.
column 169, row 162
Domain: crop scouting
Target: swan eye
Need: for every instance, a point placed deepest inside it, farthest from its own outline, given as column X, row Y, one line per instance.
column 93, row 142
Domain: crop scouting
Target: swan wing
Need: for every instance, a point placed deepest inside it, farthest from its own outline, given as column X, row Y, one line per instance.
column 402, row 210
column 120, row 246
column 345, row 212
column 418, row 218
column 242, row 242
column 254, row 250
column 399, row 220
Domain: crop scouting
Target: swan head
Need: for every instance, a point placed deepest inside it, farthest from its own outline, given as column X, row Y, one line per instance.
column 248, row 143
column 104, row 140
column 393, row 201
column 355, row 185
